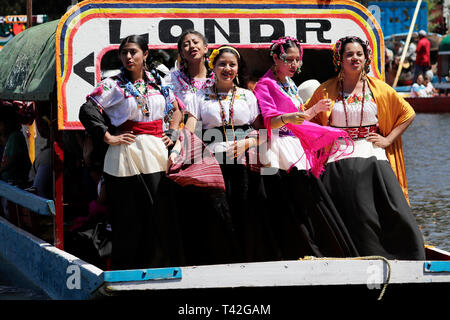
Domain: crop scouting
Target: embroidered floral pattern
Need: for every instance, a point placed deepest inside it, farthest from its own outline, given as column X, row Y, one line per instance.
column 357, row 99
column 193, row 84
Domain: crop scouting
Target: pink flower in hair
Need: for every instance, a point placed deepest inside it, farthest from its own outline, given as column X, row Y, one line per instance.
column 280, row 42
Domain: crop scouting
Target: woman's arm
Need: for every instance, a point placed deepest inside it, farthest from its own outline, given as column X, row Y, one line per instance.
column 95, row 124
column 171, row 136
column 283, row 119
column 321, row 106
column 385, row 142
column 190, row 125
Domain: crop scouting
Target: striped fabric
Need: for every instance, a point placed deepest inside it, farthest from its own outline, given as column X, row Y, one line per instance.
column 195, row 165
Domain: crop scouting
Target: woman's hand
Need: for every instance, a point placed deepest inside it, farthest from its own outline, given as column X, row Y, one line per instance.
column 124, row 138
column 238, row 148
column 173, row 155
column 167, row 141
column 322, row 105
column 378, row 140
column 294, row 118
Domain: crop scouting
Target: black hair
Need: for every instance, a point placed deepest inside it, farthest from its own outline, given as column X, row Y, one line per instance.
column 190, row 31
column 180, row 43
column 137, row 39
column 143, row 45
column 340, row 47
column 276, row 48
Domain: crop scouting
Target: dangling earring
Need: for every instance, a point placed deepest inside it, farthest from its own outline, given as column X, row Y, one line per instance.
column 237, row 81
column 206, row 61
column 299, row 69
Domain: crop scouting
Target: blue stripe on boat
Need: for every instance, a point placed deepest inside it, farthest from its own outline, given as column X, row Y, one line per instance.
column 436, row 266
column 142, row 274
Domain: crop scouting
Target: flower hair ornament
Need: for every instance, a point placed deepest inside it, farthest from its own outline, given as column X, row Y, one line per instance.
column 279, row 44
column 215, row 52
column 337, row 48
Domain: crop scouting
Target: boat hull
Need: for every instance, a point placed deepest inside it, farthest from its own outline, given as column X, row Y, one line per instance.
column 439, row 104
column 64, row 276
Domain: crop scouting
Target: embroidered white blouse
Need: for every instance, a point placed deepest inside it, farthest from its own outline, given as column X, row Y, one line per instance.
column 353, row 106
column 120, row 105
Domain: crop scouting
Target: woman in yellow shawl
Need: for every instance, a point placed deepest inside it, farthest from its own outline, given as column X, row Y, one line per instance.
column 369, row 185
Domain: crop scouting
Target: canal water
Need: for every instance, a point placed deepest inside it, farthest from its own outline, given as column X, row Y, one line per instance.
column 426, row 145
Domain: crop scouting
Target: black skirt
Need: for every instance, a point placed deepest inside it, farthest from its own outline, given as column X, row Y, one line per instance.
column 374, row 209
column 228, row 226
column 245, row 194
column 145, row 228
column 208, row 235
column 304, row 218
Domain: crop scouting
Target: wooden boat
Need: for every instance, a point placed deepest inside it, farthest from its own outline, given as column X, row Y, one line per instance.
column 438, row 104
column 79, row 64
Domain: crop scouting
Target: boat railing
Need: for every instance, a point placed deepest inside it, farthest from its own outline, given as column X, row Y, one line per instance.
column 28, row 211
column 35, row 203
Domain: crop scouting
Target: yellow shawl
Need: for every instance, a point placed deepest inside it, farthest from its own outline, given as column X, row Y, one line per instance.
column 392, row 110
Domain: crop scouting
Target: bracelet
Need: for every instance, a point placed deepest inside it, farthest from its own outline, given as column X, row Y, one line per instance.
column 282, row 119
column 174, row 151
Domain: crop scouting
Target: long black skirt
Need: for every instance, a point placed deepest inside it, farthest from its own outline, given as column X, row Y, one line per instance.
column 374, row 209
column 304, row 218
column 145, row 227
column 250, row 214
column 208, row 235
column 227, row 226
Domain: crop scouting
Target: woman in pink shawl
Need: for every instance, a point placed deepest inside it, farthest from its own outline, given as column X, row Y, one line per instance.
column 304, row 217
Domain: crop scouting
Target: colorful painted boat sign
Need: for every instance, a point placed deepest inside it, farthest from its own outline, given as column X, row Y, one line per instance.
column 92, row 28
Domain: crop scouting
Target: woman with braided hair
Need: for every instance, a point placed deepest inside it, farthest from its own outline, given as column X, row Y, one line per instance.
column 303, row 216
column 368, row 187
column 136, row 116
column 193, row 72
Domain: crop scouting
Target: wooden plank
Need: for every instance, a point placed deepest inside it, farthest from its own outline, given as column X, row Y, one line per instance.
column 142, row 274
column 27, row 200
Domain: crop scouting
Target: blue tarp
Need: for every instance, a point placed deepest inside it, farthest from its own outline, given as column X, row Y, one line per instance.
column 396, row 16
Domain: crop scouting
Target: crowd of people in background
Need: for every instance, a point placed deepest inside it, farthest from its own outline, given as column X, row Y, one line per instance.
column 417, row 68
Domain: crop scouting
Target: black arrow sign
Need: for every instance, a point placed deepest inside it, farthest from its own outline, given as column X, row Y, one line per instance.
column 80, row 69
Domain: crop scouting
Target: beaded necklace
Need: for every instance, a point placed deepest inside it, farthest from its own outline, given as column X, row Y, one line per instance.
column 291, row 91
column 139, row 91
column 222, row 112
column 362, row 103
column 289, row 88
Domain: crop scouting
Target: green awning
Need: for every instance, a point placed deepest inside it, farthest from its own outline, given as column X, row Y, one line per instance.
column 444, row 46
column 28, row 65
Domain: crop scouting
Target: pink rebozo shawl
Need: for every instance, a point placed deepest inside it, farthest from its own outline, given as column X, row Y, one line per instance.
column 318, row 142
